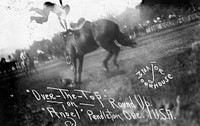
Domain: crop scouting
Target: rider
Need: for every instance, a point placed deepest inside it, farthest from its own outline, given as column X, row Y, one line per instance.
column 60, row 11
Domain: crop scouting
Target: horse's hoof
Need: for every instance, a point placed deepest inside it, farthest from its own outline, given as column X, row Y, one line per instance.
column 106, row 69
column 71, row 68
column 105, row 66
column 65, row 81
column 117, row 66
column 79, row 81
column 71, row 85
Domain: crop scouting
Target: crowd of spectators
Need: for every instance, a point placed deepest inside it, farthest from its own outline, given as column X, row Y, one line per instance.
column 170, row 14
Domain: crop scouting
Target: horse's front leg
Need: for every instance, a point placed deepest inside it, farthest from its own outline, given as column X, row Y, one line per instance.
column 74, row 70
column 116, row 53
column 105, row 61
column 73, row 57
column 80, row 67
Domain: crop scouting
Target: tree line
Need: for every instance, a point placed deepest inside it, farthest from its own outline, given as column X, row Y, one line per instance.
column 44, row 48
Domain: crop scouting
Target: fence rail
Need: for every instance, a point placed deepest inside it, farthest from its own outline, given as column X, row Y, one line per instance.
column 173, row 23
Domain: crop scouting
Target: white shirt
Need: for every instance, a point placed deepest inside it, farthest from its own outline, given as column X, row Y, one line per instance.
column 23, row 55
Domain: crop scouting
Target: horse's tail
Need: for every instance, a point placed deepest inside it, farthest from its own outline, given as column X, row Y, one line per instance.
column 123, row 38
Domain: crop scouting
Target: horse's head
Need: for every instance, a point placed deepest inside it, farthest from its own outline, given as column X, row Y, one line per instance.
column 66, row 35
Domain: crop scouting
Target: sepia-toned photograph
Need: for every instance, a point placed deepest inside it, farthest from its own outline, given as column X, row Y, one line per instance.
column 100, row 63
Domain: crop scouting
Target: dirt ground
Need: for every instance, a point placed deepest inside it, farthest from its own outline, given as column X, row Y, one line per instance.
column 176, row 52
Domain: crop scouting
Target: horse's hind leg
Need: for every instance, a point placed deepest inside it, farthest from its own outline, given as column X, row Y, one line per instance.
column 105, row 61
column 116, row 53
column 108, row 46
column 112, row 49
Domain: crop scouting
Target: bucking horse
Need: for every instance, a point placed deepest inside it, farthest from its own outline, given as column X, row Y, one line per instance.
column 91, row 36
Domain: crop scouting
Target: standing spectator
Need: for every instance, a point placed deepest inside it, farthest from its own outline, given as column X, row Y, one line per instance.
column 136, row 31
column 3, row 60
column 23, row 56
column 10, row 59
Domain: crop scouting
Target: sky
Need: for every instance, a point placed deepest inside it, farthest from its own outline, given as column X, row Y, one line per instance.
column 17, row 32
